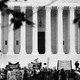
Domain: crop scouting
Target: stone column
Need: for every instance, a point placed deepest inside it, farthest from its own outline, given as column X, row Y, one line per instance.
column 60, row 30
column 23, row 36
column 72, row 31
column 35, row 32
column 10, row 37
column 48, row 31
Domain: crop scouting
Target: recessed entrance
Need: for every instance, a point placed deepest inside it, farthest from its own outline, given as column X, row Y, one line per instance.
column 41, row 42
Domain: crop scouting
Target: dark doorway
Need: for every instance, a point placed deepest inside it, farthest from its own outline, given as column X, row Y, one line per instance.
column 41, row 42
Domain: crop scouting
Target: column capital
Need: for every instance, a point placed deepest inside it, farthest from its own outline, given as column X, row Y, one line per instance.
column 35, row 7
column 72, row 7
column 60, row 7
column 48, row 8
column 23, row 9
column 72, row 10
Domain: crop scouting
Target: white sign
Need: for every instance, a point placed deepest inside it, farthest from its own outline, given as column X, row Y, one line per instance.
column 65, row 64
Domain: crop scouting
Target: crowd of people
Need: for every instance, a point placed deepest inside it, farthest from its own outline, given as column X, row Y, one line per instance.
column 43, row 73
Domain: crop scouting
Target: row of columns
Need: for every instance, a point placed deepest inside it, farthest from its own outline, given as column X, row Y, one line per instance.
column 47, row 30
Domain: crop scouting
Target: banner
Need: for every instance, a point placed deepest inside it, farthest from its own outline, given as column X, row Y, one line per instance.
column 11, row 66
column 65, row 64
column 14, row 66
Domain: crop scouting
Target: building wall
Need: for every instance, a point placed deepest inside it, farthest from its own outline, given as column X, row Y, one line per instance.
column 24, row 59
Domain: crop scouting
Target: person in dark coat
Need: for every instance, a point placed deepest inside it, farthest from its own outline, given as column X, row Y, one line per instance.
column 62, row 75
column 72, row 75
column 76, row 65
column 25, row 75
column 56, row 75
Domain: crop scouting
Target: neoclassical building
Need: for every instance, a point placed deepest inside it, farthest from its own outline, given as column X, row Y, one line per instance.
column 53, row 37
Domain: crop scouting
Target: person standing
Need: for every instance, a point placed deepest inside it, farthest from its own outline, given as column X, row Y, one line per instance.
column 62, row 75
column 76, row 65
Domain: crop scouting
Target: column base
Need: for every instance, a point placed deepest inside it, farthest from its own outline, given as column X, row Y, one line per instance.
column 35, row 53
column 48, row 53
column 60, row 52
column 73, row 53
column 10, row 53
column 23, row 53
